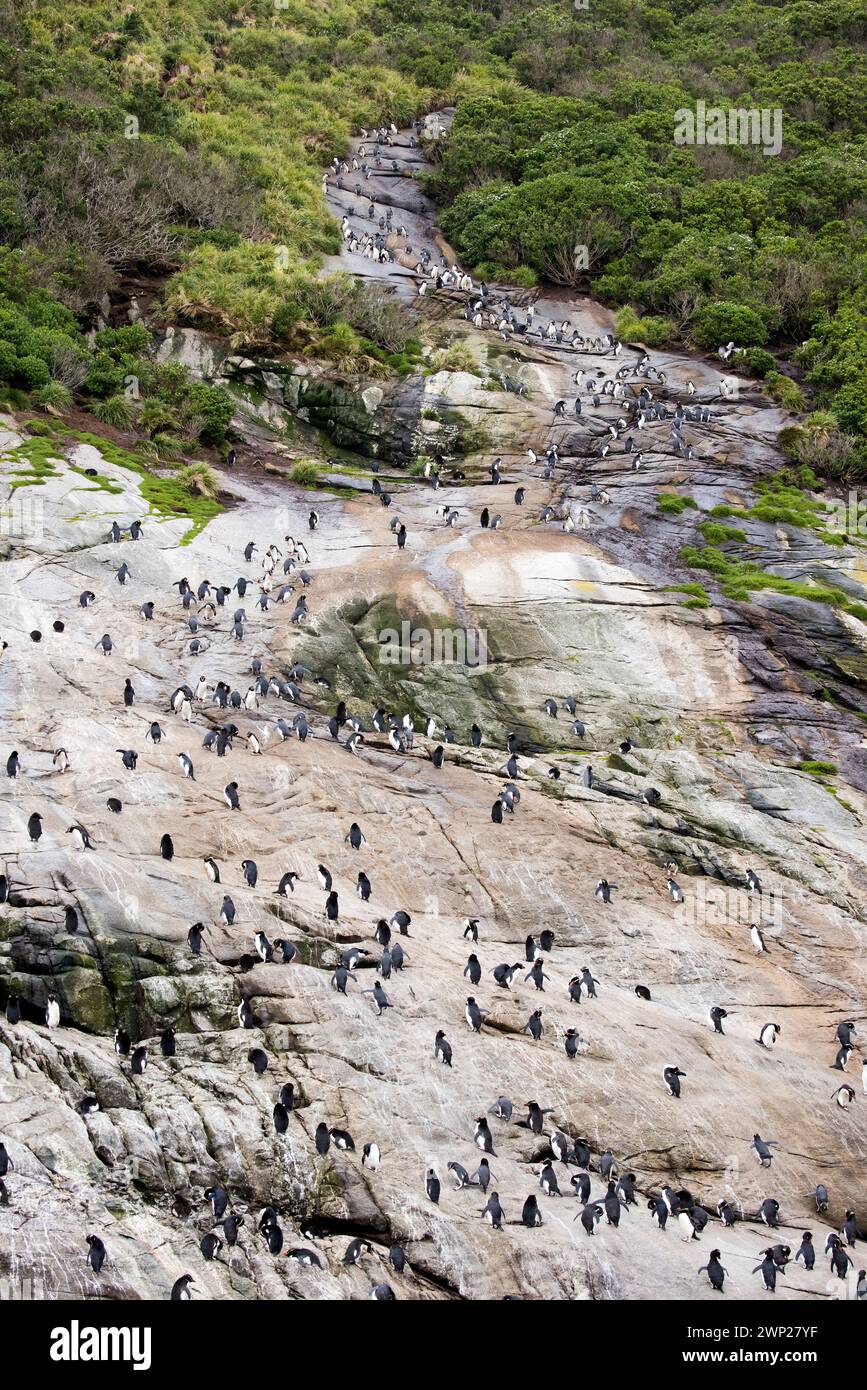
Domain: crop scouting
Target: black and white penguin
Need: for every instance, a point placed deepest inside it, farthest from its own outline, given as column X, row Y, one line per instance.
column 219, row 1200
column 194, row 937
column 287, row 883
column 432, row 1186
column 768, row 1035
column 768, row 1270
column 443, row 1049
column 671, row 1076
column 474, row 1015
column 168, row 1046
column 52, row 1011
column 246, row 1017
column 715, row 1271
column 371, row 1157
column 181, row 1289
column 139, row 1060
column 227, row 911
column 213, row 869
column 167, row 848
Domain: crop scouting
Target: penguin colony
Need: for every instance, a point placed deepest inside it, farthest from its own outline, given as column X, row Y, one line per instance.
column 272, row 703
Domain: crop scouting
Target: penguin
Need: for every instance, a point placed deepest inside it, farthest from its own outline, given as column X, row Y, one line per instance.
column 274, row 1236
column 483, row 1175
column 769, row 1271
column 167, row 848
column 849, row 1229
column 13, row 765
column 114, row 805
column 355, row 1249
column 332, row 907
column 841, row 1061
column 482, row 1137
column 726, row 1212
column 460, row 1175
column 715, row 1271
column 432, row 1186
column 612, row 1205
column 820, row 1196
column 768, row 1035
column 753, row 885
column 324, row 877
column 548, row 1181
column 846, row 1033
column 397, row 1258
column 307, row 1258
column 80, row 837
column 530, row 1214
column 139, row 1060
column 70, row 919
column 230, row 1226
column 122, row 1042
column 186, row 766
column 806, row 1251
column 762, row 1149
column 717, row 1014
column 13, row 1009
column 210, row 1246
column 219, row 1200
column 380, row 998
column 227, row 911
column 769, row 1212
column 474, row 1015
column 96, row 1255
column 471, row 929
column 246, row 1017
column 442, row 1049
column 371, row 1157
column 572, row 1042
column 288, row 949
column 658, row 1210
column 129, row 758
column 493, row 1213
column 844, row 1096
column 590, row 1216
column 287, row 881
column 250, row 871
column 758, row 945
column 6, row 1164
column 230, row 795
column 687, row 1229
column 167, row 1042
column 533, row 1026
column 259, row 1060
column 354, row 837
column 52, row 1011
column 181, row 1289
column 502, row 1108
column 194, row 937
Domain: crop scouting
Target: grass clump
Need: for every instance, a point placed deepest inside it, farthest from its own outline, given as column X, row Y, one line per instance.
column 673, row 503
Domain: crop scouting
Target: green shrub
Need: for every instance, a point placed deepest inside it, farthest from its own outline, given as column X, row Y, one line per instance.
column 754, row 361
column 673, row 503
column 117, row 411
column 785, row 391
column 305, row 473
column 723, row 322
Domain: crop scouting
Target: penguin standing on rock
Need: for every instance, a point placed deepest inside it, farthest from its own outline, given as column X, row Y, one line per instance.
column 715, row 1271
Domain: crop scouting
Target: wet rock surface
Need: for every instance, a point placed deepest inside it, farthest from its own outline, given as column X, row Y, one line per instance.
column 722, row 706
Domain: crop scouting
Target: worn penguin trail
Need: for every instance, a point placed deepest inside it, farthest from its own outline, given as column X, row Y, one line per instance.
column 585, row 614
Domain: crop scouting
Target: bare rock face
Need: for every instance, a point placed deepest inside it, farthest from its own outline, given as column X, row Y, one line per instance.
column 707, row 737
